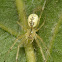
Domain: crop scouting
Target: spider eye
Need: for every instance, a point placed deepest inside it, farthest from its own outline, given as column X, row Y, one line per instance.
column 32, row 20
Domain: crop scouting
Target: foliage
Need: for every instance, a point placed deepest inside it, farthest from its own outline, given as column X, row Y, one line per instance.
column 51, row 32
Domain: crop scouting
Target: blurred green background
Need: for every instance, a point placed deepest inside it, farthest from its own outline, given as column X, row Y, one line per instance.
column 51, row 32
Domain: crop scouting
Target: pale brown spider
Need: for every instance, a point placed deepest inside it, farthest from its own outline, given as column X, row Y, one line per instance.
column 30, row 35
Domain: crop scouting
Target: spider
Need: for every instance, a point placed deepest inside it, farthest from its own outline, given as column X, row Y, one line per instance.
column 30, row 35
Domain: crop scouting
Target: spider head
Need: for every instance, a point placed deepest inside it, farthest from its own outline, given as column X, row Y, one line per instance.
column 32, row 20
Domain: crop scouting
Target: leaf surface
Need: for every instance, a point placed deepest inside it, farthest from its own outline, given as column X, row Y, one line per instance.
column 51, row 32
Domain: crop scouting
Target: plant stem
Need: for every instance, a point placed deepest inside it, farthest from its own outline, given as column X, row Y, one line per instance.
column 21, row 11
column 29, row 50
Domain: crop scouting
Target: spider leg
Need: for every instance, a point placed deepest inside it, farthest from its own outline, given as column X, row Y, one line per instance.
column 21, row 26
column 42, row 9
column 41, row 14
column 40, row 49
column 39, row 8
column 17, row 53
column 12, row 46
column 18, row 49
column 47, row 50
column 40, row 26
column 41, row 40
column 21, row 11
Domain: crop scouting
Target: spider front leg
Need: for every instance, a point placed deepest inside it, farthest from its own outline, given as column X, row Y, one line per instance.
column 47, row 51
column 17, row 52
column 40, row 49
column 22, row 42
column 12, row 46
column 42, row 41
column 10, row 49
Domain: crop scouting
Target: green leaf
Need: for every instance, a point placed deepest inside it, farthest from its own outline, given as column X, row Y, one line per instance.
column 51, row 32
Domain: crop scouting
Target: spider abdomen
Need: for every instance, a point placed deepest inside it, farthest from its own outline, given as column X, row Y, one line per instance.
column 32, row 20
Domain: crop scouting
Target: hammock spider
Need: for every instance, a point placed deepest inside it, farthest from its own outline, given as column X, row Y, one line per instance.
column 33, row 22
